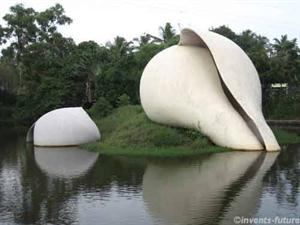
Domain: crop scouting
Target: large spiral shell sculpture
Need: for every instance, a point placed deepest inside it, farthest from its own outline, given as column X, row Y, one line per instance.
column 208, row 83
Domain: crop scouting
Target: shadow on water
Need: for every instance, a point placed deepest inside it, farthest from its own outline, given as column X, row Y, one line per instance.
column 73, row 186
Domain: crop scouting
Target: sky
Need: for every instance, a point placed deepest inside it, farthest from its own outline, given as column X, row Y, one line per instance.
column 102, row 20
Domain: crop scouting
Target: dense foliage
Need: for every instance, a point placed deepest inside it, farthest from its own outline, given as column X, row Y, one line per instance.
column 40, row 69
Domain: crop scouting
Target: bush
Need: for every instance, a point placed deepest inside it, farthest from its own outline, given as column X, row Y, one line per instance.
column 101, row 108
column 129, row 126
column 282, row 106
column 123, row 100
column 167, row 137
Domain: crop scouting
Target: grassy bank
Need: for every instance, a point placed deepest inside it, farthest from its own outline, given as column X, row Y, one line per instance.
column 127, row 131
column 167, row 151
column 285, row 137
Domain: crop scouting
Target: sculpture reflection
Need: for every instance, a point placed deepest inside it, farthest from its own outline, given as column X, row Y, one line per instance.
column 64, row 162
column 202, row 192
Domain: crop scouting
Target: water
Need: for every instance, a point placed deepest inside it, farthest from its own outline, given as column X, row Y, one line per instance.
column 74, row 186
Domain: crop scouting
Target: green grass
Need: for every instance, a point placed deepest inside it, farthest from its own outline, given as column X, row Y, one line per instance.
column 152, row 151
column 127, row 131
column 284, row 137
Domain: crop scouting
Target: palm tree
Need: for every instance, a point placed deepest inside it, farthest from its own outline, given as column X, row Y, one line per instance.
column 168, row 33
column 285, row 46
column 120, row 47
column 146, row 39
column 287, row 54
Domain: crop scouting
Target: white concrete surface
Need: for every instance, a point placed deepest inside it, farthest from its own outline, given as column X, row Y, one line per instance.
column 182, row 86
column 64, row 127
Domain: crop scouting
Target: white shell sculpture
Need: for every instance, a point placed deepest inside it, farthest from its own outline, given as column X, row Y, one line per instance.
column 207, row 83
column 63, row 127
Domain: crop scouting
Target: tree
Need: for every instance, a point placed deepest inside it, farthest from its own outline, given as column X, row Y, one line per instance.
column 90, row 57
column 25, row 26
column 168, row 34
column 118, row 74
column 7, row 89
column 50, row 78
column 8, row 77
column 225, row 31
column 143, row 40
column 40, row 55
column 285, row 60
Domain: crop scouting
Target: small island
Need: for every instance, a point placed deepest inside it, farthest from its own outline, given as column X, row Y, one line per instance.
column 127, row 131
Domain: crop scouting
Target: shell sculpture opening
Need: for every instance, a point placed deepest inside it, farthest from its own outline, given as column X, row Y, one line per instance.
column 207, row 82
column 63, row 127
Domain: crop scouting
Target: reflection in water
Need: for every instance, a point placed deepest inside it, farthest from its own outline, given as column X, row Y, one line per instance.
column 72, row 186
column 64, row 162
column 28, row 195
column 202, row 192
column 248, row 198
column 281, row 186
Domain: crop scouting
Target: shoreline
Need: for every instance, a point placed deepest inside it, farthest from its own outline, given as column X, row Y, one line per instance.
column 295, row 123
column 165, row 152
column 128, row 132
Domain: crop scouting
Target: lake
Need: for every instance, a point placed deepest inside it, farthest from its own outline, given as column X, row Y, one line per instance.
column 74, row 186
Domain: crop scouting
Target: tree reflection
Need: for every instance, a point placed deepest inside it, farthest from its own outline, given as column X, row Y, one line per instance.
column 282, row 180
column 32, row 196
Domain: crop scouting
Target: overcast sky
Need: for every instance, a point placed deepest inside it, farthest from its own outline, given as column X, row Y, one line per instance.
column 102, row 20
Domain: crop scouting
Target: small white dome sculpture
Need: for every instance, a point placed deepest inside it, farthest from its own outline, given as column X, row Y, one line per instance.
column 63, row 127
column 208, row 83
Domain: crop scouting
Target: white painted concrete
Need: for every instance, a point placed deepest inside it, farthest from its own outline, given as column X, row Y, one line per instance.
column 64, row 127
column 182, row 86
